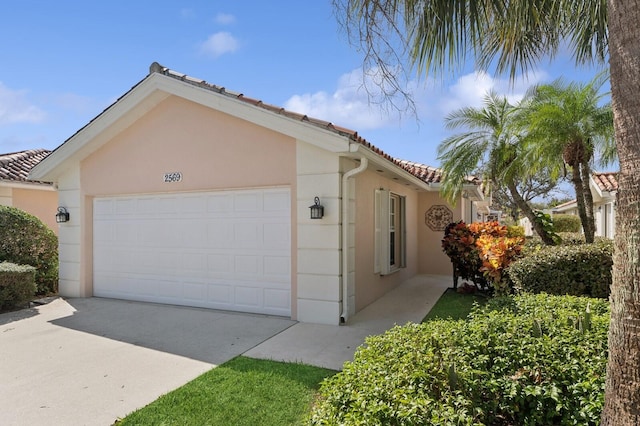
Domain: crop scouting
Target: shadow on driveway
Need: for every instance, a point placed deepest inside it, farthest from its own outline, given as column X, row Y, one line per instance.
column 200, row 334
column 9, row 317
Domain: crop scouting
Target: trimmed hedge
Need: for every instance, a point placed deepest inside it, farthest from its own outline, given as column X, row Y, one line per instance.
column 583, row 269
column 572, row 238
column 566, row 223
column 17, row 284
column 526, row 360
column 25, row 240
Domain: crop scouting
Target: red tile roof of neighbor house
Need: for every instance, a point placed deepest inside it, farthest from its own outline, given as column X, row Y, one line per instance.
column 15, row 166
column 423, row 172
column 606, row 181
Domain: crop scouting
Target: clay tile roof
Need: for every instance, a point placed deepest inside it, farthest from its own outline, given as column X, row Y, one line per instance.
column 606, row 181
column 15, row 166
column 423, row 172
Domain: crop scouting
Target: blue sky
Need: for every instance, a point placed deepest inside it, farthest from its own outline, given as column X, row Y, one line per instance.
column 63, row 62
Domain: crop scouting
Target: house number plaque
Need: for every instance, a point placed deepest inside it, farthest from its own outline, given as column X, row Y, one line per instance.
column 172, row 177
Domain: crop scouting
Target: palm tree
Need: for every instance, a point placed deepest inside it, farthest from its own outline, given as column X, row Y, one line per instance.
column 513, row 35
column 567, row 125
column 488, row 140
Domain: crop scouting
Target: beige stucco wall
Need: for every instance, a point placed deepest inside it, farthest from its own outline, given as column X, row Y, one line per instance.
column 370, row 286
column 212, row 150
column 40, row 202
column 6, row 196
column 43, row 204
column 431, row 258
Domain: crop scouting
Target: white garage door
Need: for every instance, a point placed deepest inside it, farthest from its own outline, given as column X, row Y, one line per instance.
column 223, row 250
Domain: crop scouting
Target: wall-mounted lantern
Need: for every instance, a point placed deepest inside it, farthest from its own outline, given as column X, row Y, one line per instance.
column 317, row 211
column 62, row 215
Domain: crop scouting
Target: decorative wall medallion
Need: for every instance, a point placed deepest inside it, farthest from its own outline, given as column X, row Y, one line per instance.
column 438, row 217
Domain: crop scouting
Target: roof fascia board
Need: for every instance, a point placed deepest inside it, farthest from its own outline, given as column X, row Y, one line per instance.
column 40, row 186
column 595, row 187
column 476, row 190
column 388, row 166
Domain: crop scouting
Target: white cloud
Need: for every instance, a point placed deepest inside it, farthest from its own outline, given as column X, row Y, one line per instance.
column 350, row 103
column 219, row 43
column 347, row 106
column 225, row 19
column 470, row 89
column 15, row 108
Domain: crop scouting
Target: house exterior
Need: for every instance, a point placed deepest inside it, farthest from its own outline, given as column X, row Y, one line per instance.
column 182, row 192
column 34, row 197
column 604, row 188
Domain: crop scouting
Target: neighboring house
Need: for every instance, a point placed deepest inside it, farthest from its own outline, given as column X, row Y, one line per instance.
column 604, row 188
column 37, row 198
column 182, row 192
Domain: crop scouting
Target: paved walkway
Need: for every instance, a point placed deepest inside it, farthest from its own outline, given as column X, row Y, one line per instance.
column 91, row 361
column 330, row 346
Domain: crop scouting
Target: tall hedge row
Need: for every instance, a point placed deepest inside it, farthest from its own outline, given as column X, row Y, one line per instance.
column 25, row 240
column 566, row 223
column 582, row 269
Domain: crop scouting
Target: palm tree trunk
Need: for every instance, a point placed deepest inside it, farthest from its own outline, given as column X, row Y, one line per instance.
column 529, row 214
column 622, row 390
column 578, row 184
column 585, row 171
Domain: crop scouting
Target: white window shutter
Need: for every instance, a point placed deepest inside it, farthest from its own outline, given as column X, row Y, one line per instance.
column 403, row 230
column 381, row 233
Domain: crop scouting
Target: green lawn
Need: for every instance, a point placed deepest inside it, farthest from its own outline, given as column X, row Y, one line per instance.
column 453, row 305
column 243, row 391
column 246, row 391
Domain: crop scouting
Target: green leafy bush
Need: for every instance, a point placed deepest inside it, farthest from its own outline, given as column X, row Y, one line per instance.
column 571, row 238
column 527, row 360
column 515, row 231
column 25, row 240
column 583, row 269
column 566, row 223
column 17, row 284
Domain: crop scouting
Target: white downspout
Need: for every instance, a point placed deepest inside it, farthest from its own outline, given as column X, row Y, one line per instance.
column 345, row 236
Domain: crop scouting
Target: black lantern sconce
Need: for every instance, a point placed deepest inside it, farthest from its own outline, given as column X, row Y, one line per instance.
column 62, row 215
column 317, row 211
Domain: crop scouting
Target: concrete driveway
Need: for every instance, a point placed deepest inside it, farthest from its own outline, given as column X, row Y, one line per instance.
column 92, row 361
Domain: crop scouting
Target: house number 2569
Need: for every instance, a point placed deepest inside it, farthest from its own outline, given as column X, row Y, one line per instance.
column 172, row 177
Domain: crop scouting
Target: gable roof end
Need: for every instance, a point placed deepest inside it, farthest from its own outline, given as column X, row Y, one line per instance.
column 72, row 146
column 606, row 181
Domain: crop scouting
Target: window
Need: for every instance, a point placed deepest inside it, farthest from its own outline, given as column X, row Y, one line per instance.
column 390, row 232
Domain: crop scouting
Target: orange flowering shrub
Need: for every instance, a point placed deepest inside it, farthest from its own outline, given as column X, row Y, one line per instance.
column 496, row 254
column 481, row 251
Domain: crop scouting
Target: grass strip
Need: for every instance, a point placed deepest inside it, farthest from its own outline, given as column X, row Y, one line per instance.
column 454, row 305
column 243, row 391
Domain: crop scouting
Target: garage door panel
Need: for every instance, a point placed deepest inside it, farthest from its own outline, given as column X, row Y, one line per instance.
column 247, row 235
column 277, row 266
column 277, row 201
column 277, row 299
column 223, row 250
